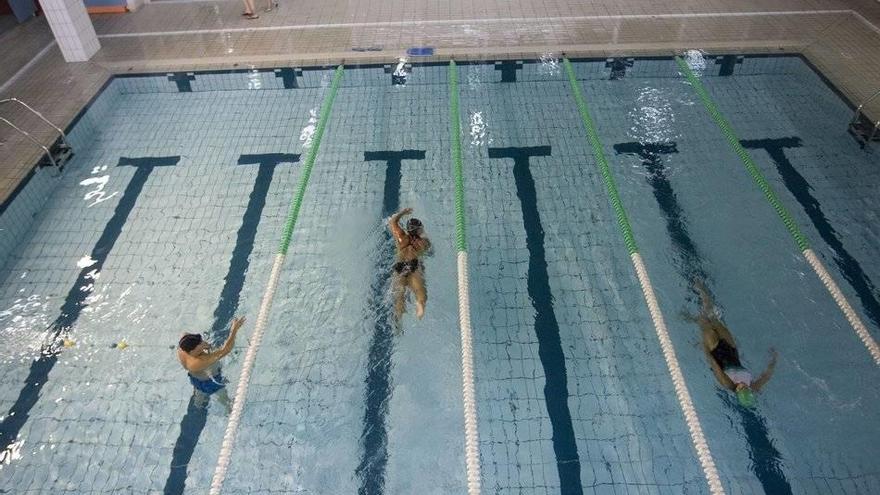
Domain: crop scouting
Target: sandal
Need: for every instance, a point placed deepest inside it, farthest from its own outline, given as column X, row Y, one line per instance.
column 252, row 16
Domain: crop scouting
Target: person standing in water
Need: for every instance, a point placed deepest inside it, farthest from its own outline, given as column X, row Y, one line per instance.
column 203, row 365
column 408, row 269
column 723, row 356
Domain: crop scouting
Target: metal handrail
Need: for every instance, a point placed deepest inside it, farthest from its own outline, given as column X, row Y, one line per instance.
column 874, row 132
column 38, row 114
column 25, row 134
column 859, row 108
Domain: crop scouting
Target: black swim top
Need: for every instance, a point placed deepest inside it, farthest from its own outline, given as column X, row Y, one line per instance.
column 726, row 355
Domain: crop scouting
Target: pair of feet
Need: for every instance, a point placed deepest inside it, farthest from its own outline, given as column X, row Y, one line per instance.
column 269, row 8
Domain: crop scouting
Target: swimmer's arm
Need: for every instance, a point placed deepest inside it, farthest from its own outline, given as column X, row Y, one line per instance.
column 720, row 375
column 212, row 357
column 394, row 225
column 765, row 376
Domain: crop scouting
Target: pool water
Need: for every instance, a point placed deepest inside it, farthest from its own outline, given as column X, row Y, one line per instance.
column 169, row 217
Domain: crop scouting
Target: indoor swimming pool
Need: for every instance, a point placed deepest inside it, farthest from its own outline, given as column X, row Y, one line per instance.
column 169, row 217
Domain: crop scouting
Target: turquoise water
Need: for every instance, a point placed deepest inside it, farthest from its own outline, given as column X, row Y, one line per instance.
column 170, row 214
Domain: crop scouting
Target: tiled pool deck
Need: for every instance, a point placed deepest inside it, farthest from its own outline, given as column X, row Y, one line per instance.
column 840, row 37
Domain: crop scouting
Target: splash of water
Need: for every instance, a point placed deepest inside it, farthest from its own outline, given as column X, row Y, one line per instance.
column 308, row 131
column 400, row 71
column 549, row 65
column 479, row 129
column 696, row 60
column 19, row 324
column 254, row 80
column 653, row 117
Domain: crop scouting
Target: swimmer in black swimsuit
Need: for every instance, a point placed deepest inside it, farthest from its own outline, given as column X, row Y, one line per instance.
column 408, row 270
column 723, row 356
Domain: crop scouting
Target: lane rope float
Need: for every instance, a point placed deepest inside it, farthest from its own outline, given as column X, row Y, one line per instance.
column 698, row 439
column 247, row 366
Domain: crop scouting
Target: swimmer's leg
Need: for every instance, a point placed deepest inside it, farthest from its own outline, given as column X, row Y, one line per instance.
column 224, row 399
column 200, row 399
column 417, row 285
column 398, row 290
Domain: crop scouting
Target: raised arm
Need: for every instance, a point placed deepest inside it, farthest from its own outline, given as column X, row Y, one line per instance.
column 394, row 225
column 765, row 376
column 206, row 360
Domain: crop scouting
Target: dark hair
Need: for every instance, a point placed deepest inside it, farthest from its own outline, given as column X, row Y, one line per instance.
column 190, row 341
column 413, row 224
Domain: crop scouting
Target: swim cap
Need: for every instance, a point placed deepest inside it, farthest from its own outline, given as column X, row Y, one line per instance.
column 746, row 397
column 413, row 224
column 190, row 341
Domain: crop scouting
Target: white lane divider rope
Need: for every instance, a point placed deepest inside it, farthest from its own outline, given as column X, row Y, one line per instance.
column 681, row 390
column 783, row 213
column 843, row 304
column 472, row 436
column 247, row 367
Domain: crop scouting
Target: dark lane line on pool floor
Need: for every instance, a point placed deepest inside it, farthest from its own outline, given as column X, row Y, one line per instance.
column 798, row 186
column 374, row 438
column 75, row 301
column 767, row 461
column 546, row 326
column 193, row 422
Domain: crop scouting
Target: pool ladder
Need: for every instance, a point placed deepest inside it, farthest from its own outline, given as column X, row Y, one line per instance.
column 58, row 153
column 861, row 126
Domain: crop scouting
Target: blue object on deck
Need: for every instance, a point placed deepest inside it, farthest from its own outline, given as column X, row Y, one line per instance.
column 420, row 51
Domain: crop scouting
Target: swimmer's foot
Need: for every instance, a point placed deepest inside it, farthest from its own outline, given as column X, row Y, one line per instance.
column 420, row 310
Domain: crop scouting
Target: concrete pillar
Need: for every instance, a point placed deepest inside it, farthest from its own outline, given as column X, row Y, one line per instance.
column 72, row 28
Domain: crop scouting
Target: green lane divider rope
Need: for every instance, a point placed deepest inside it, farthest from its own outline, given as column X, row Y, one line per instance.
column 455, row 132
column 752, row 169
column 599, row 154
column 323, row 115
column 682, row 394
column 234, row 421
column 468, row 389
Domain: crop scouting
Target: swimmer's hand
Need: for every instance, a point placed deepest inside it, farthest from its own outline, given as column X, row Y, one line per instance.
column 405, row 211
column 237, row 323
